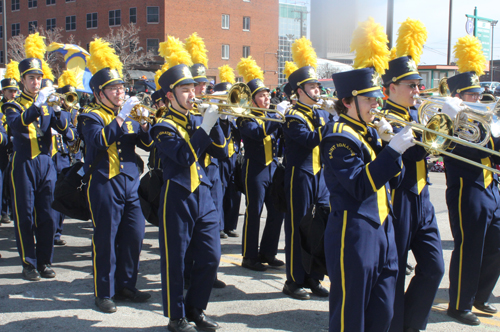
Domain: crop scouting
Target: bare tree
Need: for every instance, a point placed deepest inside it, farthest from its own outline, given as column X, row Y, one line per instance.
column 326, row 70
column 125, row 40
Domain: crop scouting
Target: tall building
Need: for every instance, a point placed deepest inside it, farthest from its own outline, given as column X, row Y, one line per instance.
column 293, row 24
column 231, row 29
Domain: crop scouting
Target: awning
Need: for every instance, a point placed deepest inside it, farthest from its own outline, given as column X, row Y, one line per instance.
column 138, row 74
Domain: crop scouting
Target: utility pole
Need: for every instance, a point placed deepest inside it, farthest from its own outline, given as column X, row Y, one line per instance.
column 5, row 31
column 449, row 33
column 493, row 24
column 301, row 20
column 390, row 17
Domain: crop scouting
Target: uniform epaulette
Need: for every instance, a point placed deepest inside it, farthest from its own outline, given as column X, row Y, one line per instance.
column 338, row 127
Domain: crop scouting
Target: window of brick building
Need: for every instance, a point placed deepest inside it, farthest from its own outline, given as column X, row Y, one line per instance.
column 225, row 52
column 246, row 51
column 152, row 45
column 91, row 20
column 51, row 23
column 225, row 21
column 246, row 23
column 133, row 15
column 70, row 23
column 51, row 2
column 16, row 29
column 153, row 14
column 32, row 3
column 32, row 26
column 115, row 17
column 1, row 57
column 1, row 31
column 15, row 5
column 70, row 0
column 1, row 7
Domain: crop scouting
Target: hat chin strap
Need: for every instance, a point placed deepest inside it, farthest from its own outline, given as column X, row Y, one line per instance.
column 177, row 100
column 304, row 90
column 107, row 99
column 357, row 111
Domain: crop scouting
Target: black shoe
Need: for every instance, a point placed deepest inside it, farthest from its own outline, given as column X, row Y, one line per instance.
column 316, row 287
column 219, row 284
column 198, row 317
column 465, row 317
column 231, row 233
column 46, row 271
column 127, row 294
column 294, row 290
column 180, row 325
column 105, row 305
column 30, row 273
column 271, row 261
column 485, row 307
column 5, row 219
column 253, row 264
column 59, row 242
column 223, row 235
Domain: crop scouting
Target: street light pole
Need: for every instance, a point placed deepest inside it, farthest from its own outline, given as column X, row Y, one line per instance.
column 5, row 31
column 449, row 33
column 390, row 16
column 493, row 24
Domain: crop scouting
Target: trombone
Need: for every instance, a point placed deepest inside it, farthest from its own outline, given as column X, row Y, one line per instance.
column 437, row 136
column 68, row 98
column 238, row 103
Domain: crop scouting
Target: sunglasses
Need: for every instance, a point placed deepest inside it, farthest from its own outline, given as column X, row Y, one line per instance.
column 412, row 85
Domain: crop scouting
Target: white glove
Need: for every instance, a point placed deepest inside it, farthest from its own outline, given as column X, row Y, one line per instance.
column 328, row 105
column 224, row 116
column 53, row 131
column 203, row 107
column 43, row 94
column 209, row 118
column 283, row 106
column 452, row 107
column 402, row 140
column 384, row 129
column 127, row 107
column 56, row 108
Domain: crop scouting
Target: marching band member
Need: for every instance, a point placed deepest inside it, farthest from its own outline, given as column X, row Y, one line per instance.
column 33, row 174
column 415, row 224
column 360, row 248
column 304, row 180
column 188, row 216
column 159, row 102
column 259, row 138
column 110, row 138
column 473, row 200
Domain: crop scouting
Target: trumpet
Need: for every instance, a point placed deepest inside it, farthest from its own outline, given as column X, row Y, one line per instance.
column 136, row 114
column 237, row 104
column 437, row 136
column 68, row 98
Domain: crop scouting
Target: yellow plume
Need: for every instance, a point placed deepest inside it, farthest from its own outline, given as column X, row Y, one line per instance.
column 158, row 74
column 412, row 36
column 226, row 74
column 174, row 52
column 393, row 54
column 290, row 67
column 469, row 52
column 47, row 72
column 12, row 70
column 369, row 41
column 68, row 77
column 248, row 68
column 34, row 45
column 102, row 55
column 196, row 48
column 303, row 53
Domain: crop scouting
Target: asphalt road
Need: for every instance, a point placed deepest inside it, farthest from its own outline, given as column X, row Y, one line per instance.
column 252, row 301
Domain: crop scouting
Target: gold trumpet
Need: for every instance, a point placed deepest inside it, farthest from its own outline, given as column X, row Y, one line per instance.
column 437, row 136
column 238, row 103
column 442, row 88
column 136, row 114
column 68, row 98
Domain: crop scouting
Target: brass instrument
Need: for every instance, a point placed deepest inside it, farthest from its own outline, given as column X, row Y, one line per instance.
column 70, row 99
column 489, row 98
column 442, row 88
column 238, row 103
column 437, row 135
column 136, row 114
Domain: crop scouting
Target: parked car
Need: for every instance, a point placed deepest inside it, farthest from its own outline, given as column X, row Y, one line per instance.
column 496, row 92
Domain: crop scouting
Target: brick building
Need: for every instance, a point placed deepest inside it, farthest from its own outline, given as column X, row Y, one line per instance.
column 231, row 29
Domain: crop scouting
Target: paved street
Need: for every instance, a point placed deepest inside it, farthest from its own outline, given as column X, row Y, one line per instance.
column 252, row 301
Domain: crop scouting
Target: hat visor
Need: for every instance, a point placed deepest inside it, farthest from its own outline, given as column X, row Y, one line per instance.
column 374, row 93
column 33, row 71
column 200, row 79
column 112, row 82
column 411, row 77
column 260, row 89
column 10, row 87
column 480, row 90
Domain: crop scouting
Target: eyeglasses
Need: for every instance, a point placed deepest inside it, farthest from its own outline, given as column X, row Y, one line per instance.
column 412, row 85
column 116, row 89
column 474, row 95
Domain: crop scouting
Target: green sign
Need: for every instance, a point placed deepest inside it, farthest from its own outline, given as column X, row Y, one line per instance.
column 483, row 32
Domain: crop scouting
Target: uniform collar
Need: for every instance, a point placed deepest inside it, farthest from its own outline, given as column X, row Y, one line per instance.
column 178, row 116
column 398, row 109
column 308, row 110
column 108, row 110
column 258, row 113
column 24, row 95
column 195, row 111
column 354, row 124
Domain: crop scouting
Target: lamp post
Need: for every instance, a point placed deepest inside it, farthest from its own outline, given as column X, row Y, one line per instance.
column 493, row 24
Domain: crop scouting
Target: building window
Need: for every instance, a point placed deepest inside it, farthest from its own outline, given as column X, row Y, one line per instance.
column 153, row 14
column 246, row 23
column 152, row 45
column 133, row 15
column 115, row 17
column 51, row 2
column 1, row 57
column 32, row 26
column 70, row 23
column 15, row 5
column 225, row 21
column 91, row 20
column 246, row 51
column 32, row 3
column 51, row 23
column 1, row 7
column 225, row 52
column 16, row 29
column 1, row 31
column 70, row 0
